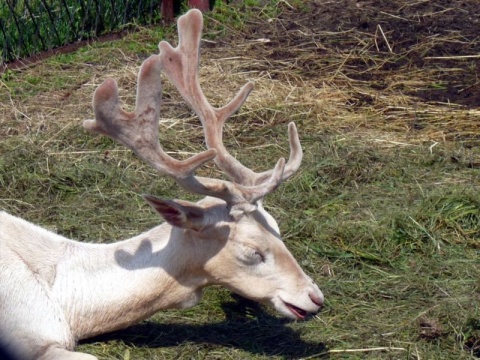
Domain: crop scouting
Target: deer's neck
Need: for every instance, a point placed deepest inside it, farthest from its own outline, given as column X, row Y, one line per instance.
column 109, row 287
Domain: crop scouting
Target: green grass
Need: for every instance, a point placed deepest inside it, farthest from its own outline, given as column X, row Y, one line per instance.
column 386, row 221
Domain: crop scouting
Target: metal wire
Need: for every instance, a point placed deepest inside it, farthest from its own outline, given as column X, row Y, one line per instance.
column 28, row 27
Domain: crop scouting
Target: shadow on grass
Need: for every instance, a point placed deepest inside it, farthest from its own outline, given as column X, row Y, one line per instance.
column 247, row 326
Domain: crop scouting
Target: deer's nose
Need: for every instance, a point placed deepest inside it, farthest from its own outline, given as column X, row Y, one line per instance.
column 316, row 299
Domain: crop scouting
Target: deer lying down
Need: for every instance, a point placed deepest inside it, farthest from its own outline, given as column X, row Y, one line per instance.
column 55, row 291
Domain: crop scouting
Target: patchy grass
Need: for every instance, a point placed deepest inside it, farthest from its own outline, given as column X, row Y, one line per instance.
column 384, row 214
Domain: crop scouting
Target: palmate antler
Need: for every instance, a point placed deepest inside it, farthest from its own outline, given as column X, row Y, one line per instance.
column 139, row 130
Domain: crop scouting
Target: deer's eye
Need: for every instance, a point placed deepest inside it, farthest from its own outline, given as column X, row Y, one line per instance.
column 252, row 256
column 259, row 255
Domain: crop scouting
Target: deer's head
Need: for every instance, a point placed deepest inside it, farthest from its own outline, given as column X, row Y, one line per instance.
column 250, row 257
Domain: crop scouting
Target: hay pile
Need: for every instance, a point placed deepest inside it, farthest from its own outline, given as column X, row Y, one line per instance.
column 405, row 67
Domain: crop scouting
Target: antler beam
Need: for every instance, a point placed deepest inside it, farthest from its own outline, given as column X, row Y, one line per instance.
column 180, row 64
column 138, row 130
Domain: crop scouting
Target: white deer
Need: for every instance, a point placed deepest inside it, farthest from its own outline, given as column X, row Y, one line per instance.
column 55, row 291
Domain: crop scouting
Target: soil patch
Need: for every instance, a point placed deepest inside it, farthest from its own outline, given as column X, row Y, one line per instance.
column 439, row 38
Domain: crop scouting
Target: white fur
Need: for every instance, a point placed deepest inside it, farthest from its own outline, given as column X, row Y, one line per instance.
column 55, row 291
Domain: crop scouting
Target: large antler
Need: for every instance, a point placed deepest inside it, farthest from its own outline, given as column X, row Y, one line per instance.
column 138, row 130
column 181, row 66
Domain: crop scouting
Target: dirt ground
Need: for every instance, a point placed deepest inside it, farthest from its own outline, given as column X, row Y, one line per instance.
column 379, row 37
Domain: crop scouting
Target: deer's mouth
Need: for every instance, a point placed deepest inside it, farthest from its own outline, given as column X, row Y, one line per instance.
column 298, row 312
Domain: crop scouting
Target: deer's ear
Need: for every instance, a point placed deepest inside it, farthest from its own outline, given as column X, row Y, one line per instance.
column 179, row 213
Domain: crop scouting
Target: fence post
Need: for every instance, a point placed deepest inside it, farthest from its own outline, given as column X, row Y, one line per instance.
column 202, row 5
column 167, row 10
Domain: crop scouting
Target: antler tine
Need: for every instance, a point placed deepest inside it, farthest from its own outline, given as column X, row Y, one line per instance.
column 138, row 131
column 181, row 66
column 294, row 161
